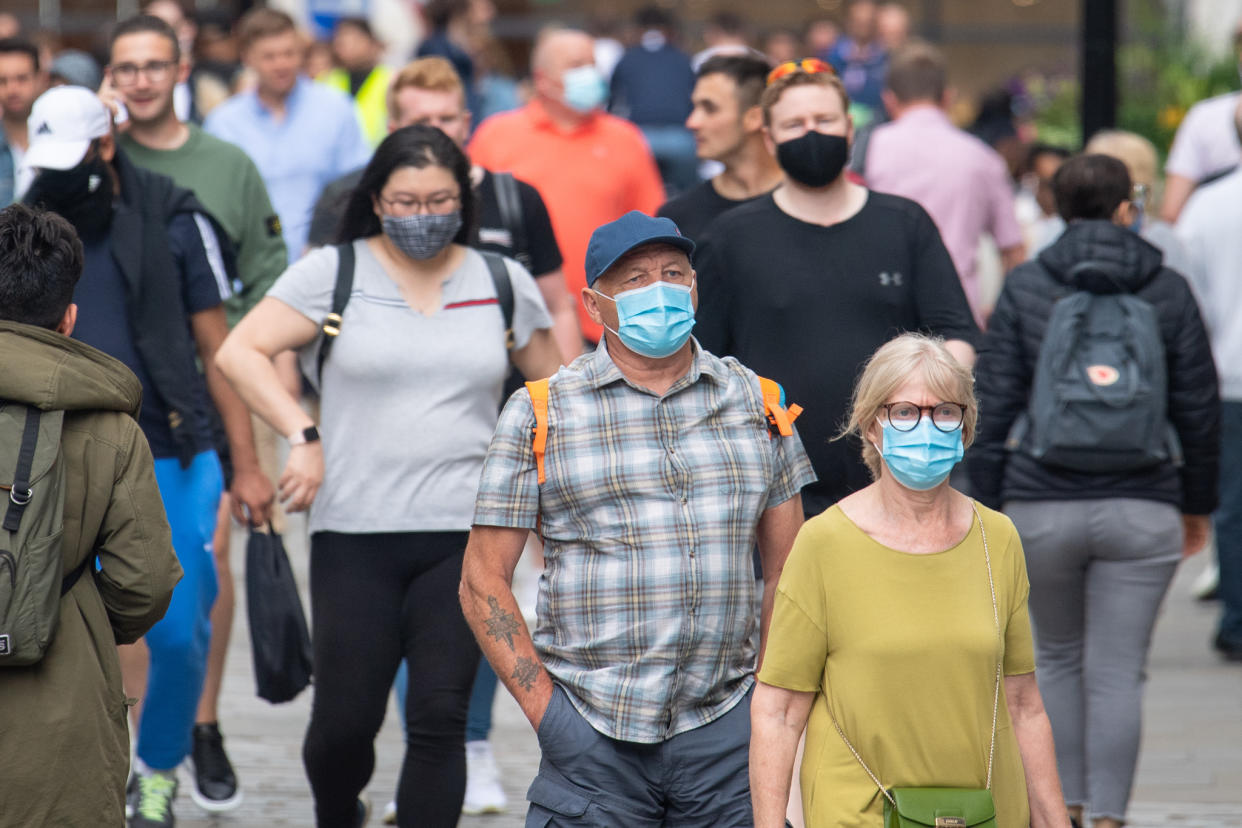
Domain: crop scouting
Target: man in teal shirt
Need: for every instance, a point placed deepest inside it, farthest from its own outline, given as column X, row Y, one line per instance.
column 145, row 66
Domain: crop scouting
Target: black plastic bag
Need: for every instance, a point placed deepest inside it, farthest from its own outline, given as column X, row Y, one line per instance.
column 279, row 639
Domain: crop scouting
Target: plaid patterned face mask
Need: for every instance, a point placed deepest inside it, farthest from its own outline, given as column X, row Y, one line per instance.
column 422, row 235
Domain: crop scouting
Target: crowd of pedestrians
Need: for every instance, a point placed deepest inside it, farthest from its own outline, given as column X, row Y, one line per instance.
column 856, row 458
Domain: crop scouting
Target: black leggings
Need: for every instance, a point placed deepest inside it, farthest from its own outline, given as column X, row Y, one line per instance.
column 376, row 599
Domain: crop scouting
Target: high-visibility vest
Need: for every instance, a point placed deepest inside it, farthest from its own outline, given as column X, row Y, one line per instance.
column 371, row 102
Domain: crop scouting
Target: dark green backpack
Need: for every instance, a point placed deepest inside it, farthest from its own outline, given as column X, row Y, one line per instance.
column 32, row 486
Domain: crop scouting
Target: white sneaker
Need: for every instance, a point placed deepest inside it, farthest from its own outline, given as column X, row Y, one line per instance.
column 390, row 813
column 1207, row 584
column 483, row 792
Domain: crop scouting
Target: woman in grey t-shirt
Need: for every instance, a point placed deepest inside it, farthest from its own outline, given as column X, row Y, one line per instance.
column 410, row 396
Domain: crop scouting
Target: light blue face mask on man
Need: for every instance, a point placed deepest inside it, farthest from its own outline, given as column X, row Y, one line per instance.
column 654, row 321
column 585, row 88
column 921, row 459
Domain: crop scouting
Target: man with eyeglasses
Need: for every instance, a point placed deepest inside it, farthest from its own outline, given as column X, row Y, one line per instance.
column 652, row 483
column 300, row 134
column 146, row 66
column 806, row 283
column 156, row 274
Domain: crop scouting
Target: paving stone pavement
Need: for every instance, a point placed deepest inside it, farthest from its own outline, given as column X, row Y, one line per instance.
column 1190, row 771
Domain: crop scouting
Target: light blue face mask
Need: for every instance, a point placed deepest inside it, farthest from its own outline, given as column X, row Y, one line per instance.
column 921, row 459
column 654, row 321
column 585, row 89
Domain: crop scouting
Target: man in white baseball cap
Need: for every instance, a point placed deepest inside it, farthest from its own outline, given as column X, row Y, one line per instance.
column 63, row 122
column 156, row 272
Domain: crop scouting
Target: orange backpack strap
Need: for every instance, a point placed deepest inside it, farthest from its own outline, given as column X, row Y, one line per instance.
column 780, row 418
column 539, row 402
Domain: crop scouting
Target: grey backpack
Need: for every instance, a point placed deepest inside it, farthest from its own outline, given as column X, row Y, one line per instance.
column 1099, row 397
column 32, row 483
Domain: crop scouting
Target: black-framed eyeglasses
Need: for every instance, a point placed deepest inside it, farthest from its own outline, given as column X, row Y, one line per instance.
column 905, row 416
column 155, row 71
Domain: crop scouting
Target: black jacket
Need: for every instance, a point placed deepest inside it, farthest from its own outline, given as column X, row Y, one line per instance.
column 1010, row 349
column 139, row 239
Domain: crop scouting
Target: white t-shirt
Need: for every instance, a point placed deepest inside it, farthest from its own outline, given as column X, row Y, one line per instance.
column 409, row 402
column 1207, row 141
column 1208, row 229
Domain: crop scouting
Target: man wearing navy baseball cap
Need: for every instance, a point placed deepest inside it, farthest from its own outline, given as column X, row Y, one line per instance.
column 651, row 470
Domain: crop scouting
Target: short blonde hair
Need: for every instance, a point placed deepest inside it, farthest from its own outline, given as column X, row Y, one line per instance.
column 772, row 94
column 1131, row 149
column 434, row 74
column 909, row 356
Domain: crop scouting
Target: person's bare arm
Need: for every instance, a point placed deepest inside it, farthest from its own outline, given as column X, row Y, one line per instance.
column 777, row 719
column 778, row 526
column 539, row 357
column 1177, row 190
column 564, row 316
column 962, row 351
column 245, row 359
column 1039, row 761
column 1011, row 257
column 251, row 492
column 487, row 601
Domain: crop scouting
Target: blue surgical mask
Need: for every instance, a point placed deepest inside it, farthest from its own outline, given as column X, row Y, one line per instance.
column 585, row 89
column 921, row 459
column 654, row 321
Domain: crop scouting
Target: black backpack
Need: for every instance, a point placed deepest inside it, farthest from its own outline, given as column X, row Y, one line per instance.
column 1099, row 396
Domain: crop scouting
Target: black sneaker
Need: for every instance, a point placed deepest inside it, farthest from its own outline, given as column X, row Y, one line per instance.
column 154, row 805
column 214, row 784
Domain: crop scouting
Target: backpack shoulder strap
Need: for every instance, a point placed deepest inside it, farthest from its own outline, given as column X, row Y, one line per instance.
column 509, row 200
column 344, row 286
column 780, row 417
column 504, row 290
column 539, row 402
column 20, row 494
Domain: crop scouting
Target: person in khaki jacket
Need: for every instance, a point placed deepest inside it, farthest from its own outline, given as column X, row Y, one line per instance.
column 65, row 744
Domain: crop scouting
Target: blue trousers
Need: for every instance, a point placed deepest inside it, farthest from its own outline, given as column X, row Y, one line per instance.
column 179, row 641
column 1228, row 524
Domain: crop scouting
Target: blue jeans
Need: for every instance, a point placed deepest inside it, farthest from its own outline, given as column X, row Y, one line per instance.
column 179, row 641
column 479, row 717
column 676, row 155
column 1228, row 524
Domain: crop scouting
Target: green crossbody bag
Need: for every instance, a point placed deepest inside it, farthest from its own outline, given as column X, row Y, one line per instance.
column 944, row 807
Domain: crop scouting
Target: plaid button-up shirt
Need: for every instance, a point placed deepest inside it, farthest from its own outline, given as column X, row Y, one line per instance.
column 649, row 513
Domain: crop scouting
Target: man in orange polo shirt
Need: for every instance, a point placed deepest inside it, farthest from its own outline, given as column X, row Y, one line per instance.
column 590, row 167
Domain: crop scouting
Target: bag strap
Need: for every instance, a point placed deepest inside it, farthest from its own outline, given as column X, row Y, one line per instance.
column 539, row 402
column 504, row 291
column 20, row 493
column 987, row 558
column 780, row 418
column 510, row 203
column 344, row 286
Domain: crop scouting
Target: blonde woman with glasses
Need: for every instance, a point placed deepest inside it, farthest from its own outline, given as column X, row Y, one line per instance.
column 900, row 638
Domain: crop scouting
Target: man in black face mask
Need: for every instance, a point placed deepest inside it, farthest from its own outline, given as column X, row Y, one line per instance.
column 156, row 273
column 806, row 283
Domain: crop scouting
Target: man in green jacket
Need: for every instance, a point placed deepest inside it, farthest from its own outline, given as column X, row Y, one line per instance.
column 66, row 744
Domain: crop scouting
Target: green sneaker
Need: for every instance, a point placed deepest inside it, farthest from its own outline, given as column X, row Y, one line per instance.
column 154, row 808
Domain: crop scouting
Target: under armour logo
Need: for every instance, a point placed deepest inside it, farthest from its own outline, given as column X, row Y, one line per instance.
column 44, row 129
column 890, row 279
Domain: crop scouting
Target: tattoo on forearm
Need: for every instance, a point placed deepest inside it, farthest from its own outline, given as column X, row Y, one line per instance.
column 525, row 672
column 501, row 625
